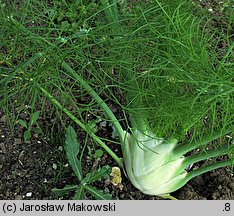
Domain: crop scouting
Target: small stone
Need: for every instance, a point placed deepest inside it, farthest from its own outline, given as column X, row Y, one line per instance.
column 54, row 166
column 22, row 173
column 29, row 194
column 66, row 165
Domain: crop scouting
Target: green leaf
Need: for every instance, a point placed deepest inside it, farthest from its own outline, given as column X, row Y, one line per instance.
column 72, row 150
column 65, row 25
column 65, row 190
column 98, row 194
column 98, row 153
column 79, row 195
column 34, row 117
column 102, row 172
column 23, row 123
column 37, row 130
column 27, row 135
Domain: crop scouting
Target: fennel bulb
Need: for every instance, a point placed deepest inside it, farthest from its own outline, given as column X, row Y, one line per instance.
column 149, row 163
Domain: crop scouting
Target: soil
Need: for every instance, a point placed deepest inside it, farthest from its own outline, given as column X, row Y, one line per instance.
column 30, row 169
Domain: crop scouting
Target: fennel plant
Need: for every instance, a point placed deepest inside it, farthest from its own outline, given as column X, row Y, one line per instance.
column 178, row 96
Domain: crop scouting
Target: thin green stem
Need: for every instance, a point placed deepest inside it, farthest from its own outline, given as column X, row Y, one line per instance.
column 207, row 168
column 81, row 125
column 78, row 122
column 208, row 154
column 111, row 11
column 96, row 97
column 203, row 170
column 187, row 147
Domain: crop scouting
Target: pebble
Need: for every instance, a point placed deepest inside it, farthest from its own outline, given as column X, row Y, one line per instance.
column 29, row 194
column 54, row 166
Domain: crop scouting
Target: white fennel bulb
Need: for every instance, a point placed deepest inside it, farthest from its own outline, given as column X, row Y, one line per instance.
column 150, row 164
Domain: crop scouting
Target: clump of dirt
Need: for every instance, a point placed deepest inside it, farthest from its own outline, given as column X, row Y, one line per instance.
column 215, row 185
